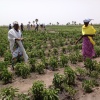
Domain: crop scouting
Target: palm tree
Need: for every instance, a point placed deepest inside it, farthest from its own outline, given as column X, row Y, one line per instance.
column 36, row 20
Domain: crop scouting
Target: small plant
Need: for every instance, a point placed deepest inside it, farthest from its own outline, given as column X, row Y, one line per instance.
column 69, row 75
column 37, row 90
column 88, row 85
column 40, row 68
column 58, row 80
column 64, row 49
column 22, row 69
column 23, row 97
column 70, row 90
column 53, row 63
column 64, row 60
column 32, row 63
column 6, row 76
column 55, row 51
column 81, row 73
column 79, row 57
column 69, row 48
column 45, row 61
column 50, row 94
column 8, row 93
column 90, row 65
column 3, row 65
column 7, row 57
column 40, row 53
column 94, row 74
column 73, row 58
column 97, row 50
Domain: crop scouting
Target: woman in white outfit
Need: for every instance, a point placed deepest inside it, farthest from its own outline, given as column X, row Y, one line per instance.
column 16, row 46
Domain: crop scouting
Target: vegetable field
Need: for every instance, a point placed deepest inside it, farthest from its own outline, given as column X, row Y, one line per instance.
column 55, row 71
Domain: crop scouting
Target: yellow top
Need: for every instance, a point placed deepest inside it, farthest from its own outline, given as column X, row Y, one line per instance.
column 89, row 30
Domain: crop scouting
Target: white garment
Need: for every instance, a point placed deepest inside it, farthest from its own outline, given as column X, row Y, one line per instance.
column 17, row 52
column 12, row 35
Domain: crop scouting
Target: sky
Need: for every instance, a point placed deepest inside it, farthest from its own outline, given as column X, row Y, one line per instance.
column 48, row 11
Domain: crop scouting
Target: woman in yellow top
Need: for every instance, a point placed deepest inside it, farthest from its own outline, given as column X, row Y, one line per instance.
column 88, row 43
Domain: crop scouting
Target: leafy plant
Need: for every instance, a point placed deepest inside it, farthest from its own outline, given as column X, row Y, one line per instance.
column 23, row 97
column 7, row 57
column 94, row 74
column 37, row 90
column 73, row 58
column 97, row 50
column 6, row 76
column 50, row 94
column 40, row 68
column 89, row 64
column 69, row 75
column 88, row 85
column 64, row 49
column 8, row 93
column 21, row 69
column 53, row 63
column 81, row 73
column 64, row 60
column 32, row 62
column 3, row 65
column 55, row 51
column 58, row 80
column 70, row 90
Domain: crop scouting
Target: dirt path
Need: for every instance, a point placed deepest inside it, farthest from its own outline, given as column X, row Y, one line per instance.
column 95, row 95
column 25, row 84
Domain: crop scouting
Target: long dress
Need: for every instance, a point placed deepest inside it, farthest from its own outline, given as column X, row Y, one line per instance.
column 87, row 48
column 88, row 42
column 16, row 47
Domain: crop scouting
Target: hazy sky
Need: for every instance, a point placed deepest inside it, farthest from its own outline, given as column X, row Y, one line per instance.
column 47, row 11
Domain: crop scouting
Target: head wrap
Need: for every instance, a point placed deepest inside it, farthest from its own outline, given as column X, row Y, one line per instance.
column 87, row 20
column 15, row 22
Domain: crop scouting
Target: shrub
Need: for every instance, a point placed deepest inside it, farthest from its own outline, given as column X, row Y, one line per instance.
column 6, row 76
column 58, row 80
column 64, row 60
column 81, row 73
column 89, row 64
column 55, row 51
column 64, row 49
column 70, row 90
column 69, row 75
column 37, row 90
column 22, row 69
column 88, row 85
column 73, row 58
column 8, row 93
column 23, row 97
column 53, row 63
column 40, row 68
column 7, row 57
column 50, row 94
column 32, row 62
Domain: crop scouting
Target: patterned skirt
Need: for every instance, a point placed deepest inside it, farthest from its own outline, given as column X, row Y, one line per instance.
column 87, row 48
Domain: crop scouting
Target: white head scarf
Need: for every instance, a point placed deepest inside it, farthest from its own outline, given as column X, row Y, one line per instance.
column 15, row 22
column 87, row 20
